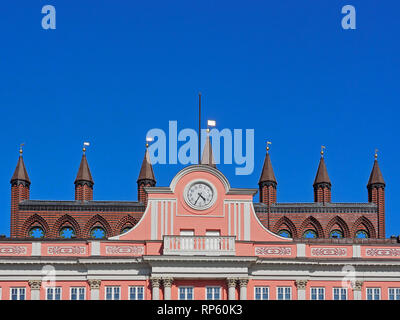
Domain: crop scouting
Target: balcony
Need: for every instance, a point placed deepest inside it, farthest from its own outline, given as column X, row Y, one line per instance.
column 199, row 245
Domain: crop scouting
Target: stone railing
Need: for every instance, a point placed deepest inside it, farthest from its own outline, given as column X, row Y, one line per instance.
column 199, row 245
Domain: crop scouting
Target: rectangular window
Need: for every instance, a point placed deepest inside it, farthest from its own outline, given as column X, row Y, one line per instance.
column 17, row 293
column 213, row 293
column 78, row 293
column 284, row 293
column 261, row 293
column 113, row 293
column 185, row 293
column 394, row 293
column 339, row 293
column 317, row 293
column 373, row 293
column 53, row 293
column 136, row 293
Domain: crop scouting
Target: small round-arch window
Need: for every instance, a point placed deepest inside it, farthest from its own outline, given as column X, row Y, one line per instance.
column 67, row 233
column 126, row 229
column 310, row 234
column 36, row 232
column 285, row 233
column 362, row 234
column 336, row 234
column 98, row 233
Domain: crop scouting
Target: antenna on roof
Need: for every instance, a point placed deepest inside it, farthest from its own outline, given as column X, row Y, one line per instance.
column 199, row 126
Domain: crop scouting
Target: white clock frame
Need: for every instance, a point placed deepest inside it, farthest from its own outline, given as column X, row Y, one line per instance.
column 193, row 182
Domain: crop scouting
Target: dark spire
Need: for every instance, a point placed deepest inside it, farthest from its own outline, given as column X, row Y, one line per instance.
column 376, row 174
column 20, row 173
column 208, row 157
column 84, row 175
column 146, row 171
column 322, row 176
column 267, row 173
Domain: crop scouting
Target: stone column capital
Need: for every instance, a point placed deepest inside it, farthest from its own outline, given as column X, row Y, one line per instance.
column 155, row 282
column 35, row 284
column 167, row 282
column 301, row 284
column 94, row 283
column 357, row 285
column 243, row 282
column 231, row 282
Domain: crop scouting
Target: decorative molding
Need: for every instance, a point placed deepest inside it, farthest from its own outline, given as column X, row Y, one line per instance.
column 273, row 251
column 231, row 282
column 94, row 283
column 167, row 282
column 328, row 252
column 357, row 285
column 35, row 284
column 125, row 250
column 66, row 250
column 301, row 284
column 13, row 250
column 155, row 282
column 382, row 252
column 243, row 282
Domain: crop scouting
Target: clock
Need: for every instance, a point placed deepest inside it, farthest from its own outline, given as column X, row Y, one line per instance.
column 200, row 195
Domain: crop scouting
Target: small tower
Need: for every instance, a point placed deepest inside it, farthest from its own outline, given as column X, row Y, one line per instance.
column 376, row 194
column 322, row 183
column 84, row 182
column 267, row 182
column 208, row 157
column 20, row 185
column 146, row 177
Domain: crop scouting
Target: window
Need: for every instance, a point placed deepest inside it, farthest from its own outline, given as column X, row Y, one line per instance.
column 98, row 233
column 339, row 293
column 310, row 234
column 213, row 293
column 317, row 293
column 126, row 229
column 373, row 293
column 113, row 293
column 67, row 233
column 78, row 293
column 394, row 293
column 362, row 234
column 261, row 293
column 285, row 233
column 17, row 293
column 53, row 293
column 284, row 293
column 136, row 293
column 185, row 293
column 36, row 232
column 336, row 234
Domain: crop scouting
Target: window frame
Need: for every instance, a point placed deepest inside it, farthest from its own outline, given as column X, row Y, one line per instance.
column 54, row 293
column 213, row 292
column 78, row 293
column 262, row 288
column 185, row 287
column 113, row 290
column 19, row 289
column 374, row 293
column 284, row 292
column 396, row 293
column 318, row 293
column 136, row 292
column 346, row 295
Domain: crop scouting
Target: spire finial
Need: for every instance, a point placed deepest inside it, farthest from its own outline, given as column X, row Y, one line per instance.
column 268, row 143
column 85, row 144
column 21, row 148
column 148, row 139
column 322, row 151
column 376, row 154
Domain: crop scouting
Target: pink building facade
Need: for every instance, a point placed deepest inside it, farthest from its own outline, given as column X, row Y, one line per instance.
column 200, row 239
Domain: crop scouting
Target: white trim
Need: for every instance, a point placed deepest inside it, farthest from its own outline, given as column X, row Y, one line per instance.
column 113, row 289
column 261, row 287
column 54, row 292
column 213, row 293
column 18, row 292
column 185, row 287
column 77, row 294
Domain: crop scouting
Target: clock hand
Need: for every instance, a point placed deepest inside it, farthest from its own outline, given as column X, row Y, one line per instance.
column 197, row 199
column 202, row 196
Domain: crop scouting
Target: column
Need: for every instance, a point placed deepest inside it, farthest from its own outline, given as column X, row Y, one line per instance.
column 155, row 284
column 231, row 288
column 243, row 288
column 167, row 282
column 94, row 285
column 301, row 289
column 35, row 289
column 357, row 286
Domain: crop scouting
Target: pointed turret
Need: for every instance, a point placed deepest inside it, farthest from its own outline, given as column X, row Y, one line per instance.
column 208, row 158
column 322, row 183
column 146, row 177
column 376, row 194
column 84, row 181
column 267, row 182
column 20, row 185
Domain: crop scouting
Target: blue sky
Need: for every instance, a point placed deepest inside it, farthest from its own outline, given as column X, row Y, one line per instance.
column 112, row 70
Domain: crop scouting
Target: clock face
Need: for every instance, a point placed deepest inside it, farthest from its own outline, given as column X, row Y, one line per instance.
column 200, row 195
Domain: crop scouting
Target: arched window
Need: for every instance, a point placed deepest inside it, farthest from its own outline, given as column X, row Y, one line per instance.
column 310, row 234
column 362, row 234
column 126, row 229
column 336, row 234
column 36, row 232
column 67, row 233
column 285, row 233
column 98, row 233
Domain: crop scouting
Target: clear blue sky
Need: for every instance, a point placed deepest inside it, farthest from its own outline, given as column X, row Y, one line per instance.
column 112, row 70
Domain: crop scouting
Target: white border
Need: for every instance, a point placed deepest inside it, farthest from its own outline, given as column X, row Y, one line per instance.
column 197, row 181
